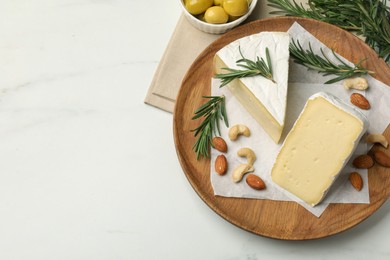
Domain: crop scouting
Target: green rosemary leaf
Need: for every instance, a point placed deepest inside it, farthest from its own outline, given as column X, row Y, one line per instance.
column 334, row 80
column 323, row 64
column 212, row 112
column 268, row 60
column 250, row 68
column 202, row 109
column 223, row 112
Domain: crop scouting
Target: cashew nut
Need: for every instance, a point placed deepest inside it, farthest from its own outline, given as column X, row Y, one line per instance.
column 237, row 130
column 240, row 171
column 356, row 83
column 377, row 138
column 248, row 153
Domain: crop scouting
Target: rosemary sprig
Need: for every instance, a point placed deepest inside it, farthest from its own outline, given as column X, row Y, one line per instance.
column 212, row 111
column 375, row 17
column 251, row 68
column 327, row 11
column 369, row 18
column 292, row 8
column 322, row 63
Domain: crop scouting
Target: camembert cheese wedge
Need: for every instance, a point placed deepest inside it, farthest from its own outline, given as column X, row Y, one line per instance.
column 265, row 100
column 318, row 146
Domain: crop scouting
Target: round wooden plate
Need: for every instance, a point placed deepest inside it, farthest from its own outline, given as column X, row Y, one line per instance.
column 275, row 219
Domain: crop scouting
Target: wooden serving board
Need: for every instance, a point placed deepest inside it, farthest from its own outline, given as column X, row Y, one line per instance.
column 275, row 219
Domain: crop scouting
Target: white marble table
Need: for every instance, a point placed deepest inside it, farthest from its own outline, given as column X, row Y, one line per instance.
column 87, row 170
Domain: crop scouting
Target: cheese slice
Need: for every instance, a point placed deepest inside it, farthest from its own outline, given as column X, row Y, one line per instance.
column 317, row 148
column 263, row 99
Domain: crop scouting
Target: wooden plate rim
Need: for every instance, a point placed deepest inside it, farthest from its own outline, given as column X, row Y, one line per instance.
column 374, row 205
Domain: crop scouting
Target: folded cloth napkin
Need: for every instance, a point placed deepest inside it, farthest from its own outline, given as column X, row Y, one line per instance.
column 184, row 46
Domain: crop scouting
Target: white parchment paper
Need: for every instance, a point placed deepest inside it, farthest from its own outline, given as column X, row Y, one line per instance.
column 302, row 84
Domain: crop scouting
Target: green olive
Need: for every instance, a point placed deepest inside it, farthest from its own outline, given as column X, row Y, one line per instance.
column 216, row 15
column 218, row 2
column 198, row 6
column 236, row 7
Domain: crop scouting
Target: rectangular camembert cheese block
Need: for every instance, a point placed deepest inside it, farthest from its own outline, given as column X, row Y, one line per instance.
column 317, row 148
column 263, row 99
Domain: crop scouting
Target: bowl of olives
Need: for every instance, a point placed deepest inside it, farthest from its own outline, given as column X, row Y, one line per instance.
column 217, row 16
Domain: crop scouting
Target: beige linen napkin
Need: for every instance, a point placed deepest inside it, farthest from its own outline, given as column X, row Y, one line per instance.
column 184, row 46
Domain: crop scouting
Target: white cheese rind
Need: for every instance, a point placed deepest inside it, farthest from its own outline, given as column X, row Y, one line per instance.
column 272, row 96
column 344, row 106
column 318, row 147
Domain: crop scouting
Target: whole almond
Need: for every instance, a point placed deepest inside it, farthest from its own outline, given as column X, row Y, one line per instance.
column 382, row 158
column 219, row 144
column 255, row 182
column 360, row 101
column 356, row 180
column 363, row 161
column 221, row 164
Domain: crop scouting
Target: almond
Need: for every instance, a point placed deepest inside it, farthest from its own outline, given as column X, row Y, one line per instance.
column 255, row 182
column 219, row 144
column 382, row 158
column 221, row 164
column 356, row 180
column 363, row 162
column 360, row 101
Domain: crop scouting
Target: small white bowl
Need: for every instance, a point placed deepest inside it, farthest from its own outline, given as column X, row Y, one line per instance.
column 216, row 28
